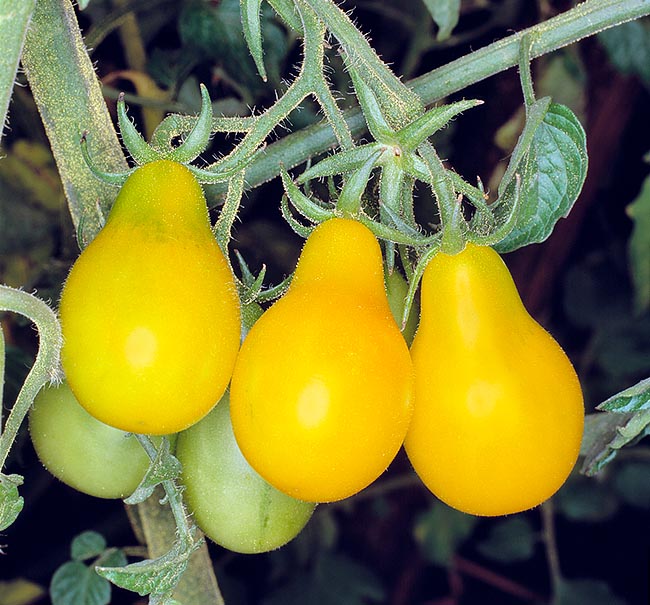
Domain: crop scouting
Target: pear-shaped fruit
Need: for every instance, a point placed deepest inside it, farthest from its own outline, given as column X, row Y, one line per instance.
column 498, row 408
column 321, row 392
column 149, row 311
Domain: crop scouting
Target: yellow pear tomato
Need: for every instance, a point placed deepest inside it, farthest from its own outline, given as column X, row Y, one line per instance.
column 149, row 311
column 498, row 407
column 322, row 388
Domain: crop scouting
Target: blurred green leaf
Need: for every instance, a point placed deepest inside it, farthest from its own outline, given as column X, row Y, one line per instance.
column 334, row 580
column 639, row 247
column 552, row 175
column 595, row 290
column 622, row 347
column 87, row 545
column 563, row 78
column 632, row 482
column 582, row 499
column 21, row 226
column 441, row 531
column 216, row 31
column 445, row 15
column 585, row 592
column 76, row 584
column 607, row 432
column 634, row 399
column 628, row 47
column 509, row 541
column 11, row 503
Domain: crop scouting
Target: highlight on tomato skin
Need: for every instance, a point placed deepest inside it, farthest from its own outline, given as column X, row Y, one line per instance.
column 499, row 410
column 149, row 312
column 321, row 395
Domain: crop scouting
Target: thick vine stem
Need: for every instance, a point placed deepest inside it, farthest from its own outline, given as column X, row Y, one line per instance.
column 46, row 365
column 584, row 20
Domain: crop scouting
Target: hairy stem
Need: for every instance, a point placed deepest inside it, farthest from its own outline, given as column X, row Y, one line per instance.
column 585, row 20
column 14, row 21
column 45, row 366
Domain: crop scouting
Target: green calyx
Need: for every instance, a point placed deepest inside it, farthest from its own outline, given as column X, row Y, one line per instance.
column 142, row 152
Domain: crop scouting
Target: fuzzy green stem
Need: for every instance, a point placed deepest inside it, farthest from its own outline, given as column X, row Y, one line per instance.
column 58, row 68
column 14, row 21
column 223, row 226
column 525, row 76
column 46, row 365
column 401, row 105
column 173, row 494
column 198, row 584
column 451, row 219
column 585, row 20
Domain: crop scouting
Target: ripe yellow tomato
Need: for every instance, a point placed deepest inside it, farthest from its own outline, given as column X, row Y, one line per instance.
column 321, row 392
column 498, row 408
column 149, row 312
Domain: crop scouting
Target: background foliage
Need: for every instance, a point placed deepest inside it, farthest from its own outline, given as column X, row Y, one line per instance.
column 589, row 283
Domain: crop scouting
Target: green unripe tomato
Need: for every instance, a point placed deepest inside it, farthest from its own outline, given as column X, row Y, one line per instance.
column 230, row 502
column 81, row 451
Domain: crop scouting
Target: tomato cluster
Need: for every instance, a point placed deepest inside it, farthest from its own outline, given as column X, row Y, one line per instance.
column 323, row 391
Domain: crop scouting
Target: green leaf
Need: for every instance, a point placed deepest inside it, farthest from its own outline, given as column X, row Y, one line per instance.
column 634, row 399
column 552, row 174
column 585, row 592
column 509, row 541
column 250, row 18
column 87, row 545
column 165, row 467
column 11, row 503
column 582, row 499
column 622, row 346
column 75, row 584
column 333, row 580
column 606, row 433
column 216, row 32
column 445, row 14
column 441, row 531
column 628, row 47
column 152, row 576
column 639, row 247
column 632, row 483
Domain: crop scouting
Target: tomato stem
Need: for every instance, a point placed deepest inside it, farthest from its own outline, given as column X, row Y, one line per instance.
column 525, row 76
column 46, row 365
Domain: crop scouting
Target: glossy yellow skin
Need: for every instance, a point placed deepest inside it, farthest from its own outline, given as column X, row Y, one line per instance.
column 149, row 312
column 498, row 407
column 321, row 395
